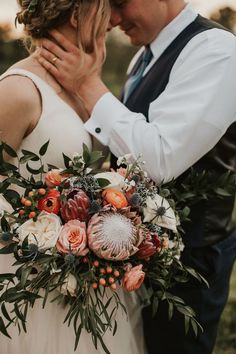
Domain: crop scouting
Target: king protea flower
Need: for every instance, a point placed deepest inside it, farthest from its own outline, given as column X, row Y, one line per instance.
column 114, row 235
column 76, row 206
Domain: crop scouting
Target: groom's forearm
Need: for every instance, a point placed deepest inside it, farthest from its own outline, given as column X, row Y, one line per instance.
column 90, row 92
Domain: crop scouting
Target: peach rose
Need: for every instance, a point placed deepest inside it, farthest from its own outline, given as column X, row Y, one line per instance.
column 73, row 238
column 54, row 178
column 133, row 278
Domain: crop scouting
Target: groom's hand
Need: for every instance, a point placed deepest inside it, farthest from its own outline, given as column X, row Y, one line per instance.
column 77, row 71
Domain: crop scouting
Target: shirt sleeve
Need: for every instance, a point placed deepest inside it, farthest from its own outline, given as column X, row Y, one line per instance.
column 186, row 120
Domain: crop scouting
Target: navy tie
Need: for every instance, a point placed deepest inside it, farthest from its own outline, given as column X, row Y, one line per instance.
column 134, row 80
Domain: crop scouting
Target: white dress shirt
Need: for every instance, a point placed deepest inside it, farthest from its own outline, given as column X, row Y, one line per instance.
column 189, row 117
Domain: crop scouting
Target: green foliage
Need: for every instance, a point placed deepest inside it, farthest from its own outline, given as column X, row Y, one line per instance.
column 226, row 17
column 11, row 51
column 119, row 55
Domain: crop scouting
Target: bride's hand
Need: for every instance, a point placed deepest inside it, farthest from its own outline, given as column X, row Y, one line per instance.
column 69, row 65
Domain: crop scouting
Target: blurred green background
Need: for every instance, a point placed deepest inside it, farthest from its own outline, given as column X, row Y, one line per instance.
column 119, row 53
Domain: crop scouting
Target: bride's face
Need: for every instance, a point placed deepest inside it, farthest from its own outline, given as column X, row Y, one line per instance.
column 92, row 28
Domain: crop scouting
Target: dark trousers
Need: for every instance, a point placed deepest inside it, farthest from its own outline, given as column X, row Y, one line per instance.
column 168, row 337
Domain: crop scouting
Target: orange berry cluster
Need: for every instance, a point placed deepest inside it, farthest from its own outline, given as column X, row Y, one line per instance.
column 29, row 203
column 107, row 276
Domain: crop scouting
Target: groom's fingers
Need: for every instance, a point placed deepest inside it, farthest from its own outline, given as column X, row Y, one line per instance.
column 63, row 41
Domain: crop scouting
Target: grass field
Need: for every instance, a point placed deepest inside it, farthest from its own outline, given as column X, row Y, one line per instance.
column 226, row 342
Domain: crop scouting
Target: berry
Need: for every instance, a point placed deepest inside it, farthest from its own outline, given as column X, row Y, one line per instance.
column 113, row 286
column 42, row 191
column 116, row 273
column 96, row 264
column 102, row 281
column 109, row 270
column 111, row 280
column 28, row 203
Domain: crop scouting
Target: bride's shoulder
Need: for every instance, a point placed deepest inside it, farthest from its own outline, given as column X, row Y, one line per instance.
column 20, row 104
column 19, row 88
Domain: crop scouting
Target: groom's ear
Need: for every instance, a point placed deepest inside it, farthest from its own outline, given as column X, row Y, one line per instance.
column 74, row 19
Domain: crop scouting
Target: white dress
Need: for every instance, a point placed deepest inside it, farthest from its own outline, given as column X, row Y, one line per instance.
column 46, row 333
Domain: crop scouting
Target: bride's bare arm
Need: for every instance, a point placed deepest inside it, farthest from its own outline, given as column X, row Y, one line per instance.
column 20, row 109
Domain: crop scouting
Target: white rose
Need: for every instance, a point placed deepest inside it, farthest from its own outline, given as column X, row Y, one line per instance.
column 44, row 232
column 116, row 180
column 159, row 212
column 70, row 285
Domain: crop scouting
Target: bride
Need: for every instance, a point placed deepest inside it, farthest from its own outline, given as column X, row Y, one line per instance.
column 34, row 109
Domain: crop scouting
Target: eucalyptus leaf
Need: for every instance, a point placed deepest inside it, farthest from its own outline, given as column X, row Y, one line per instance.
column 186, row 324
column 12, row 197
column 7, row 276
column 24, row 275
column 86, row 154
column 9, row 150
column 194, row 327
column 26, row 158
column 3, row 329
column 66, row 160
column 95, row 156
column 103, row 182
column 5, row 225
column 35, row 171
column 44, row 149
column 77, row 334
column 5, row 313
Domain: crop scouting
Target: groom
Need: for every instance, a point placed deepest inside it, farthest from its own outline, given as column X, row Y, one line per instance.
column 179, row 111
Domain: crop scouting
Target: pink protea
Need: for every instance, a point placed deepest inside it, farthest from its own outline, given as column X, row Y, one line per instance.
column 113, row 235
column 76, row 206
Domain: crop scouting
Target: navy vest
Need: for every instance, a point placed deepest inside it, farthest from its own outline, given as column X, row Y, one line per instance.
column 211, row 221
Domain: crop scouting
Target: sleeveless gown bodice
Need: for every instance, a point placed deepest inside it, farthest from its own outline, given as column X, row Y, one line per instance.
column 46, row 333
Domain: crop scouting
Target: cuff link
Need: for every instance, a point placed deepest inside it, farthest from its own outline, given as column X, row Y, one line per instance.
column 98, row 130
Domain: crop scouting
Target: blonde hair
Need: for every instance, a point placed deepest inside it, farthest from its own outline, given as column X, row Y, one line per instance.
column 40, row 16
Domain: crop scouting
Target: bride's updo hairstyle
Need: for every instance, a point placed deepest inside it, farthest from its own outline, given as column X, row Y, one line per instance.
column 40, row 16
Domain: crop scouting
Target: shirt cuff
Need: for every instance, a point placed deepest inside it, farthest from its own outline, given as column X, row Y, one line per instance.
column 105, row 114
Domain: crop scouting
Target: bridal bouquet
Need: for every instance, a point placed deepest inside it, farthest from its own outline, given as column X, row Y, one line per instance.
column 79, row 235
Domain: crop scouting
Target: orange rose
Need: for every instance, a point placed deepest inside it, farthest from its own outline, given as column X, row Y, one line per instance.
column 50, row 203
column 54, row 178
column 114, row 197
column 73, row 238
column 133, row 278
